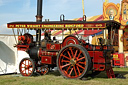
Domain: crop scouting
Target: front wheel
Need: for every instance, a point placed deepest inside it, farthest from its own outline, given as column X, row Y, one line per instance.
column 73, row 61
column 27, row 67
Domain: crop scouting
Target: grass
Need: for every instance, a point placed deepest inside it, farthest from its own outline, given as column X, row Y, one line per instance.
column 54, row 78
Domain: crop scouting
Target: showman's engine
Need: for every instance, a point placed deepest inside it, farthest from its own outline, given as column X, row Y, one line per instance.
column 73, row 57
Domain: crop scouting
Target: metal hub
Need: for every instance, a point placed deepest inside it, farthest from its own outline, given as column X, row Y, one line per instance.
column 27, row 67
column 72, row 62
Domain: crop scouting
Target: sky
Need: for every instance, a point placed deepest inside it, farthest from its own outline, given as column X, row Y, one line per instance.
column 26, row 10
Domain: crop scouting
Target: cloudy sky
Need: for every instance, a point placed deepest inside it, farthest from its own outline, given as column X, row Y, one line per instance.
column 25, row 10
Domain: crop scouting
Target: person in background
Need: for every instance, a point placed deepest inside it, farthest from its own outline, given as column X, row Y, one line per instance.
column 47, row 35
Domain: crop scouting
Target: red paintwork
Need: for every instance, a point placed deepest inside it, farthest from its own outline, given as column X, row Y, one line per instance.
column 53, row 46
column 98, row 60
column 88, row 47
column 49, row 53
column 46, row 59
column 116, row 61
column 119, row 60
column 91, row 47
column 21, row 38
column 25, row 39
column 70, row 40
column 22, row 47
column 50, row 56
column 121, row 56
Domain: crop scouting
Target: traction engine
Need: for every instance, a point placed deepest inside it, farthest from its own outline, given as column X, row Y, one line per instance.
column 73, row 57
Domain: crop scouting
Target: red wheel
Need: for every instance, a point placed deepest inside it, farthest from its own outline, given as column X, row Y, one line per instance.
column 73, row 61
column 42, row 70
column 70, row 40
column 27, row 67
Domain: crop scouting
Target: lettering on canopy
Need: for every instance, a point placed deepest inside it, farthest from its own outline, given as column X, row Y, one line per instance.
column 44, row 26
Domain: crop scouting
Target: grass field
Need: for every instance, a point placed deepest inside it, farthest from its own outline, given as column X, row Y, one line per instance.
column 54, row 78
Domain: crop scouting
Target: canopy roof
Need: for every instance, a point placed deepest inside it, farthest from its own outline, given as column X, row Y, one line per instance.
column 59, row 25
column 74, row 32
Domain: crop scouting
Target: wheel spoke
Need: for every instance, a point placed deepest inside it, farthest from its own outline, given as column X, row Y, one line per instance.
column 82, row 63
column 22, row 64
column 68, row 69
column 22, row 71
column 25, row 71
column 75, row 53
column 65, row 56
column 79, row 55
column 30, row 71
column 25, row 62
column 65, row 65
column 69, row 55
column 71, row 71
column 75, row 70
column 28, row 74
column 71, row 51
column 65, row 61
column 80, row 66
column 78, row 70
column 28, row 62
column 81, row 58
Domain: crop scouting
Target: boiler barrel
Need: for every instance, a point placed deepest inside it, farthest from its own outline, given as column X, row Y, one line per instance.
column 34, row 53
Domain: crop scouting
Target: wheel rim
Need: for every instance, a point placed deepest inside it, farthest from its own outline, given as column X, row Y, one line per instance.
column 26, row 67
column 72, row 62
column 43, row 69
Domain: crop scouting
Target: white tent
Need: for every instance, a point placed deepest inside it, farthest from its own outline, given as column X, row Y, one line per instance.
column 8, row 54
column 9, row 57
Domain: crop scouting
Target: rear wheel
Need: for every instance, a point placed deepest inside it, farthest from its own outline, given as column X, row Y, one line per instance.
column 27, row 67
column 73, row 61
